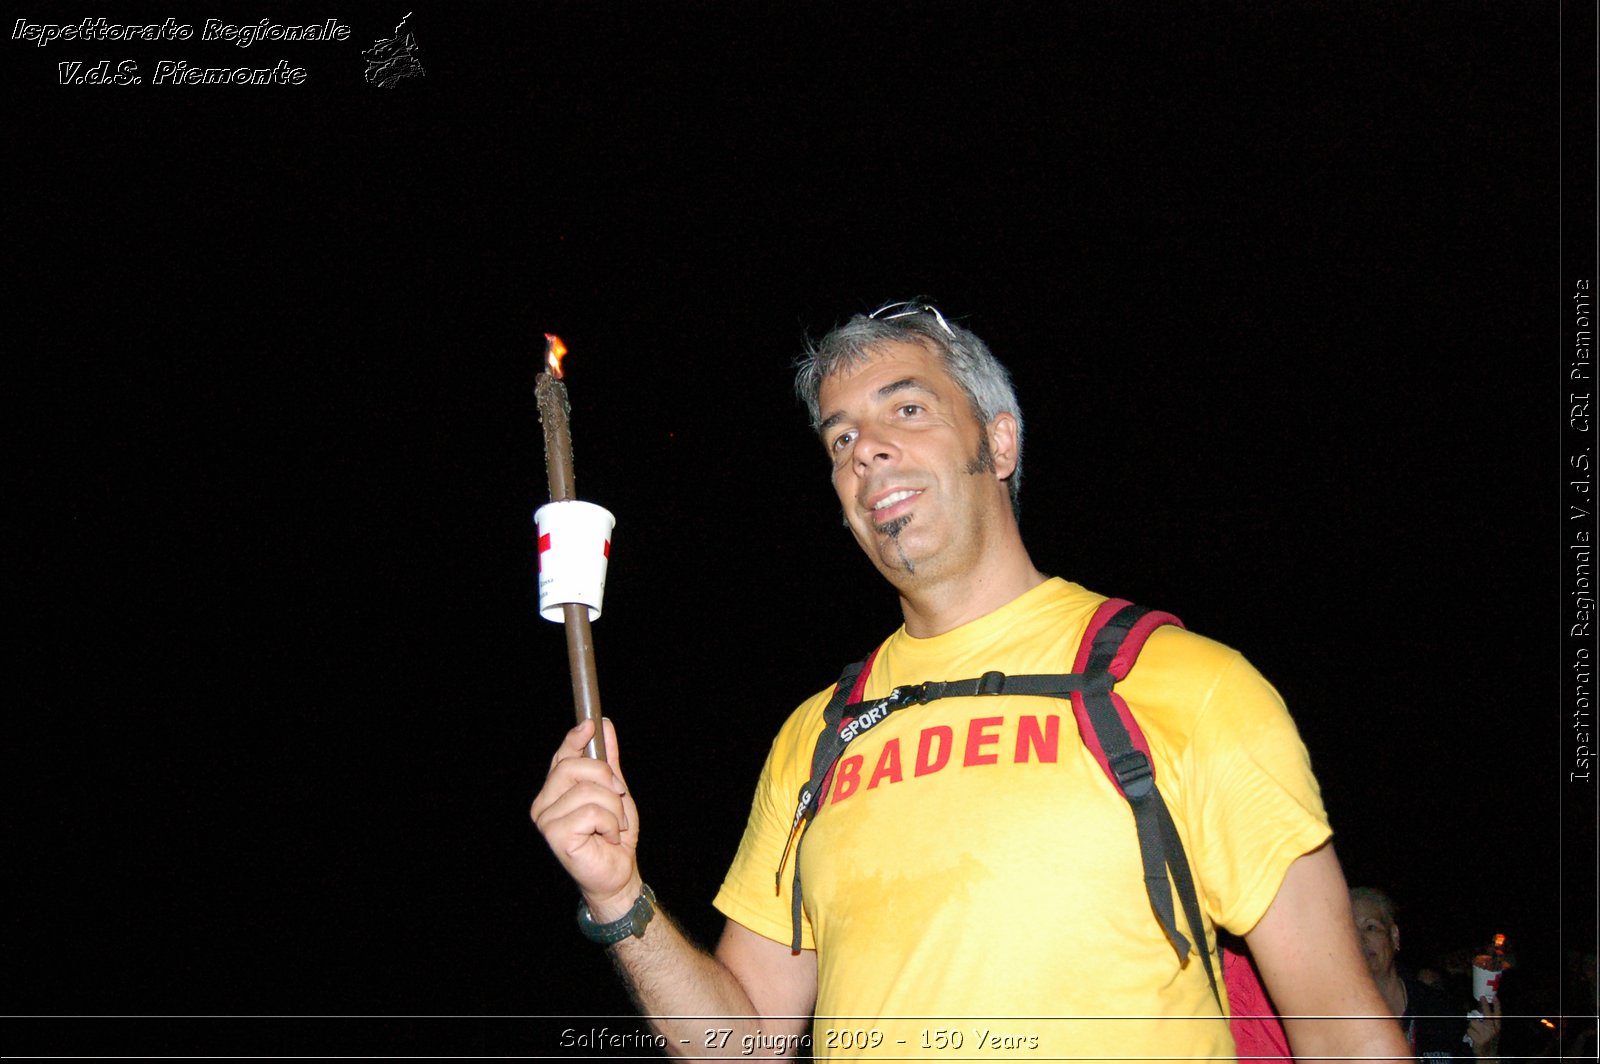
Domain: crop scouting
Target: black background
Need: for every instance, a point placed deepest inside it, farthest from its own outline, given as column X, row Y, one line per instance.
column 1280, row 285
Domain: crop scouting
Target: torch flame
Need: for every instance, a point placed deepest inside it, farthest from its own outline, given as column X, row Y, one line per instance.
column 554, row 352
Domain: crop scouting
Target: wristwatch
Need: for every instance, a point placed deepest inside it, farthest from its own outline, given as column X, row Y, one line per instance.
column 631, row 923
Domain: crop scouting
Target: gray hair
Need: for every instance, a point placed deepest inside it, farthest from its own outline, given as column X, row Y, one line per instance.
column 966, row 358
column 1377, row 897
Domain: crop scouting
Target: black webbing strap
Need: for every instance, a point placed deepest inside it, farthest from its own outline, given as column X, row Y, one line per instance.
column 998, row 683
column 1183, row 881
column 829, row 746
column 1160, row 848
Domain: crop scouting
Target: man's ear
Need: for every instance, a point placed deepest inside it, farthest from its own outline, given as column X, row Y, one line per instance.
column 1003, row 444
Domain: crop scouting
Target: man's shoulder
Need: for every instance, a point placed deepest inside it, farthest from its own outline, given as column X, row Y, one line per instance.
column 1172, row 647
column 797, row 738
column 1184, row 682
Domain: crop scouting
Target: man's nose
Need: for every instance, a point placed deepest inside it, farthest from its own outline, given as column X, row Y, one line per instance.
column 873, row 446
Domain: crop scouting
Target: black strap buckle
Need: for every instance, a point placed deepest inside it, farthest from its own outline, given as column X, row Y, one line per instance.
column 1133, row 772
column 910, row 695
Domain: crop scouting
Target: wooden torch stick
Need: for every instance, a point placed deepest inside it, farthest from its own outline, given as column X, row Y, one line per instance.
column 554, row 409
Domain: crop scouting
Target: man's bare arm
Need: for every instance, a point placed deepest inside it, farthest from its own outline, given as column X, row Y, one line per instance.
column 752, row 986
column 708, row 1006
column 1306, row 949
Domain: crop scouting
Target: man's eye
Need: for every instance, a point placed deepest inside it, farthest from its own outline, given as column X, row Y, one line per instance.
column 841, row 441
column 910, row 410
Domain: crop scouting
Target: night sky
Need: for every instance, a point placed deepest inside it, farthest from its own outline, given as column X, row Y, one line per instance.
column 1280, row 286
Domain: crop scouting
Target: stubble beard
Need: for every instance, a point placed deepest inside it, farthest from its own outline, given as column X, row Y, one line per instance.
column 893, row 530
column 983, row 461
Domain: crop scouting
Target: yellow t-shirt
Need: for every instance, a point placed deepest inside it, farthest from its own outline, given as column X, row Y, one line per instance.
column 973, row 885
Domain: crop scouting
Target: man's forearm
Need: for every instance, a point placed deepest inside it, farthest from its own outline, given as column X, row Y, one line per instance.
column 1347, row 1038
column 693, row 1000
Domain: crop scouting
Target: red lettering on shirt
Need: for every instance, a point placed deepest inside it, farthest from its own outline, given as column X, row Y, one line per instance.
column 1045, row 745
column 1037, row 739
column 977, row 739
column 888, row 765
column 847, row 779
column 925, row 756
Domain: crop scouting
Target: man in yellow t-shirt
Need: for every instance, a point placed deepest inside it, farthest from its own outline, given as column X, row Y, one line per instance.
column 946, row 822
column 972, row 883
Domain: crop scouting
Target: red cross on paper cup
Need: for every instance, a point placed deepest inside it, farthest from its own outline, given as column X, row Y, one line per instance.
column 574, row 549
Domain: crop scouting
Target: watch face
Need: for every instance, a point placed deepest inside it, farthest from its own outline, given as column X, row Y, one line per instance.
column 632, row 924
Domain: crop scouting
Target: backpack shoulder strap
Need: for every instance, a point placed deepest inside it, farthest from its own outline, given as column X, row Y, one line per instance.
column 1111, row 644
column 830, row 744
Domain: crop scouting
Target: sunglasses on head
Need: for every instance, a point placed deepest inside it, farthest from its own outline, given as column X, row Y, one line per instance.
column 908, row 308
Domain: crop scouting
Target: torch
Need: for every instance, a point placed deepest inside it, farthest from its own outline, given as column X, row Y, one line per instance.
column 574, row 544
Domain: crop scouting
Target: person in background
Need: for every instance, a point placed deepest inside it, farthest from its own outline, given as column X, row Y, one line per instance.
column 1435, row 1028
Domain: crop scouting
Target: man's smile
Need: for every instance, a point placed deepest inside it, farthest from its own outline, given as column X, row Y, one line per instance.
column 892, row 504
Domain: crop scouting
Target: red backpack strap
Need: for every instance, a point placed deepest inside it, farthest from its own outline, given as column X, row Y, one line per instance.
column 1110, row 646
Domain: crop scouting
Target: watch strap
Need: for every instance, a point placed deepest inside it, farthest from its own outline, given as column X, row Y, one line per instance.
column 630, row 924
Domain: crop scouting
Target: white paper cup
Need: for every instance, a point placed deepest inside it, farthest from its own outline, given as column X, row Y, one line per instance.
column 574, row 547
column 1485, row 983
